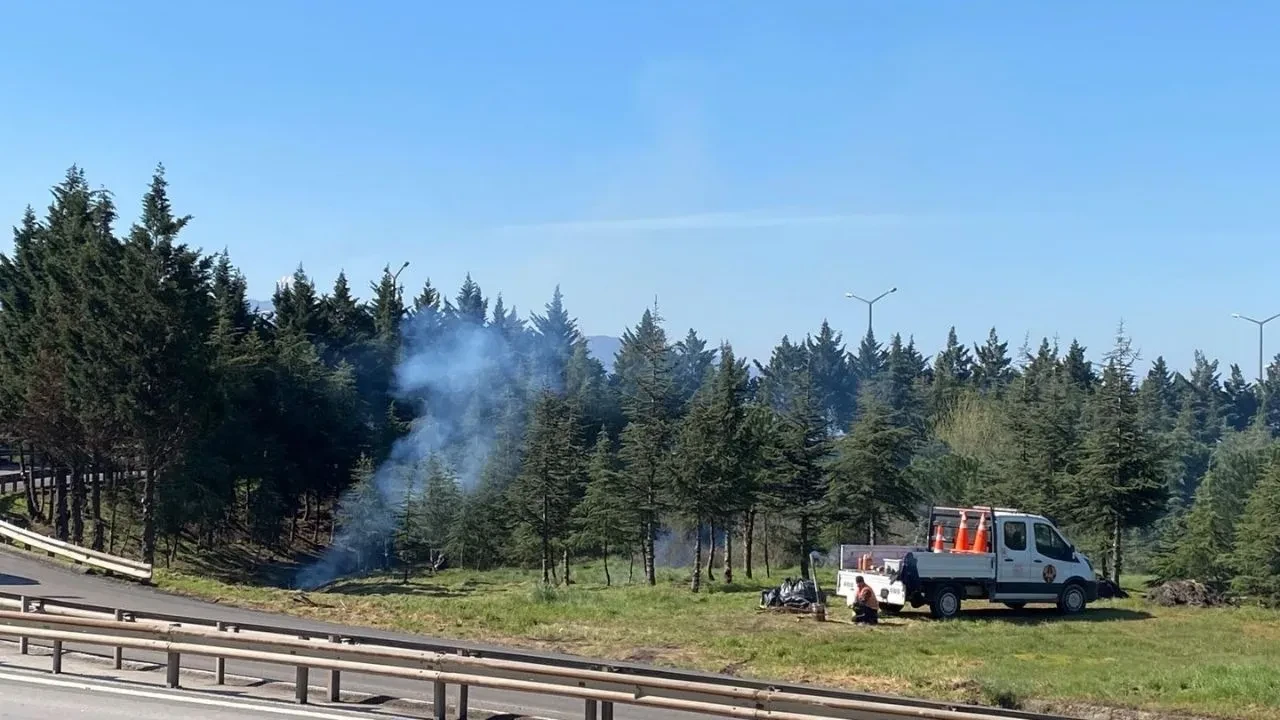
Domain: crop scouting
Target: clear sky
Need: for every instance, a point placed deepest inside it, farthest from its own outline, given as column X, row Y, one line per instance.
column 1044, row 167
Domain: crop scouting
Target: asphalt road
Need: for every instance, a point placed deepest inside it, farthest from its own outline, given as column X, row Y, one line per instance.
column 31, row 696
column 30, row 576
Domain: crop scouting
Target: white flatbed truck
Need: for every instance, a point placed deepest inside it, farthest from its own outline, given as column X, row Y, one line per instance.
column 1028, row 560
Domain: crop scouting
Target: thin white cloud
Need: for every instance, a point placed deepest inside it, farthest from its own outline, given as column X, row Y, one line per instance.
column 704, row 221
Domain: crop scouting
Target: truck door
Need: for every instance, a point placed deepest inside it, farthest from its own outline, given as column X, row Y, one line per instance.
column 1053, row 556
column 1014, row 567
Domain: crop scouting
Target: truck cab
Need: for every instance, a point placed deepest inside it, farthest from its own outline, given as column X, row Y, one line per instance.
column 999, row 554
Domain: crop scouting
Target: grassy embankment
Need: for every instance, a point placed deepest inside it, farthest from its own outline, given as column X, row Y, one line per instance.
column 1211, row 662
column 1219, row 662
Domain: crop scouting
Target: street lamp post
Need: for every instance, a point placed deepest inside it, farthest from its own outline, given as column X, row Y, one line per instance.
column 1260, row 324
column 870, row 303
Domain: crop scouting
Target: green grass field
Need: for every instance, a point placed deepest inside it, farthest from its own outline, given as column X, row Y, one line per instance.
column 1204, row 662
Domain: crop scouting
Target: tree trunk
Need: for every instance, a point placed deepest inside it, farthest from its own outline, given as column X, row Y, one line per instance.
column 728, row 555
column 60, row 529
column 631, row 567
column 608, row 581
column 546, row 543
column 1117, row 551
column 871, row 530
column 695, row 583
column 804, row 546
column 711, row 551
column 748, row 538
column 115, row 504
column 650, row 543
column 765, row 537
column 77, row 506
column 95, row 510
column 149, row 515
column 27, row 469
column 567, row 580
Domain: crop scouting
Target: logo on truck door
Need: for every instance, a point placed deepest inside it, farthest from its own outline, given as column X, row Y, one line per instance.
column 1050, row 572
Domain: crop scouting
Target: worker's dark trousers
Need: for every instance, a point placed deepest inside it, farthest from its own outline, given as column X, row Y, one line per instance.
column 864, row 615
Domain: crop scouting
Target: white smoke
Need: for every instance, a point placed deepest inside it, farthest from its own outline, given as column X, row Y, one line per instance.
column 457, row 376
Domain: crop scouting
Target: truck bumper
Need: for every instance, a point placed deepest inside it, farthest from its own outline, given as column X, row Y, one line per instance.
column 1090, row 590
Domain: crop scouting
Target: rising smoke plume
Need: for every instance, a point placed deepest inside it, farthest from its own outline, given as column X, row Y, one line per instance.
column 457, row 376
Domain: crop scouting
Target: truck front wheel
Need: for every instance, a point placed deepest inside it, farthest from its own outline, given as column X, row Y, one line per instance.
column 1072, row 599
column 945, row 603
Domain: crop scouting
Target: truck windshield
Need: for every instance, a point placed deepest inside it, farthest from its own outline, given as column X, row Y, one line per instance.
column 1050, row 544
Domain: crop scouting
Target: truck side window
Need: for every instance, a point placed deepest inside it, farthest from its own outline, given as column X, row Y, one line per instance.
column 1015, row 535
column 1050, row 544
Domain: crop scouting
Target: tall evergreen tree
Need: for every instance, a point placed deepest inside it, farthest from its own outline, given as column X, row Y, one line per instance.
column 648, row 401
column 993, row 368
column 545, row 492
column 1119, row 486
column 869, row 485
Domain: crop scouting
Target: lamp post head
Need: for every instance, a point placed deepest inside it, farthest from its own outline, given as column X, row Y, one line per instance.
column 893, row 289
column 1235, row 315
column 849, row 295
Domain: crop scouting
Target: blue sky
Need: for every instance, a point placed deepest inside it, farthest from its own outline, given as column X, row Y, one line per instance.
column 1047, row 168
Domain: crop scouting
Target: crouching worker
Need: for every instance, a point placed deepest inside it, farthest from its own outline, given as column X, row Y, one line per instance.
column 866, row 608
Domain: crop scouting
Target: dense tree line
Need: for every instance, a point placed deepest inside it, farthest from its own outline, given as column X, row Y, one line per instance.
column 135, row 372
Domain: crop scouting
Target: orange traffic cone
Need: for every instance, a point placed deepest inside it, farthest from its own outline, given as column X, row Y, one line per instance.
column 982, row 538
column 962, row 534
column 939, row 542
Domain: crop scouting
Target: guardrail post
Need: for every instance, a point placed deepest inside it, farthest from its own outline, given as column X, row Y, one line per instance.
column 117, row 654
column 606, row 710
column 335, row 676
column 301, row 679
column 57, row 657
column 463, row 693
column 590, row 713
column 172, row 668
column 440, row 701
column 22, row 641
column 220, row 663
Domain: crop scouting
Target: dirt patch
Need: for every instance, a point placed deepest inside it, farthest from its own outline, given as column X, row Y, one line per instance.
column 1186, row 592
column 1099, row 712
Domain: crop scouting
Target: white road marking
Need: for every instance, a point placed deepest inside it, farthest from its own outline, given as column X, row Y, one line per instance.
column 177, row 697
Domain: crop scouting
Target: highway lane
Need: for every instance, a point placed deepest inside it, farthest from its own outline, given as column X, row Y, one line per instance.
column 30, row 696
column 30, row 576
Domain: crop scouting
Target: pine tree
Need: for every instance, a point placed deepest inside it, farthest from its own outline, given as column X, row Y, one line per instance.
column 1119, row 486
column 708, row 463
column 1199, row 546
column 601, row 520
column 952, row 369
column 691, row 366
column 799, row 450
column 472, row 308
column 1241, row 400
column 834, row 380
column 868, row 482
column 362, row 517
column 993, row 368
column 1256, row 559
column 548, row 486
column 869, row 361
column 555, row 334
column 648, row 399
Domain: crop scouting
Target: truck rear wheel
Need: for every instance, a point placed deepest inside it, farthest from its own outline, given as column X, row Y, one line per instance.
column 1072, row 600
column 945, row 604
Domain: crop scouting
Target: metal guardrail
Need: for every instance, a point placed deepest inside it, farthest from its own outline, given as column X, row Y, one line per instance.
column 80, row 555
column 600, row 685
